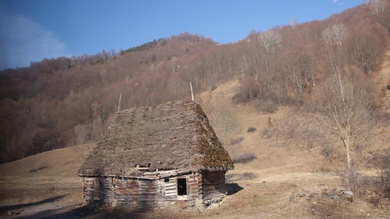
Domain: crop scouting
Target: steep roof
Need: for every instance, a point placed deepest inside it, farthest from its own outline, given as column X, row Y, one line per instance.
column 169, row 136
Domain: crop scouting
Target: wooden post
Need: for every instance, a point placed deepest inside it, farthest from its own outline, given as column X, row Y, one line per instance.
column 119, row 104
column 192, row 92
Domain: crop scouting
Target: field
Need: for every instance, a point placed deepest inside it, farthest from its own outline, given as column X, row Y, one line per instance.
column 279, row 184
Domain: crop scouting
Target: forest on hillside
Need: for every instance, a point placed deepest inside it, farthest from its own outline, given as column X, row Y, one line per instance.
column 65, row 101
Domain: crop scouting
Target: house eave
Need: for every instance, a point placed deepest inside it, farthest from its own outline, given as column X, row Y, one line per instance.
column 157, row 174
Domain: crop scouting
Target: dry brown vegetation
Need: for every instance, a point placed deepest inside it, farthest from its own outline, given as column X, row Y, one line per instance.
column 67, row 101
column 275, row 83
column 291, row 178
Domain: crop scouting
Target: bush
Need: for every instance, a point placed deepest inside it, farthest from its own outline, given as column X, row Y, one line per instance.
column 266, row 134
column 381, row 162
column 267, row 105
column 251, row 129
column 248, row 91
column 245, row 158
column 328, row 152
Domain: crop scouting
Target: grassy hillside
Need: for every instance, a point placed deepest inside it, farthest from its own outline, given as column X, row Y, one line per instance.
column 69, row 100
column 287, row 180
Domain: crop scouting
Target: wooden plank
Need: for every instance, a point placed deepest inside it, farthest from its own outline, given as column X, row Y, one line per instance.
column 170, row 187
column 171, row 194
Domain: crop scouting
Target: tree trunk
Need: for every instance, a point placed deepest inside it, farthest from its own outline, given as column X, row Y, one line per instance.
column 347, row 145
column 348, row 157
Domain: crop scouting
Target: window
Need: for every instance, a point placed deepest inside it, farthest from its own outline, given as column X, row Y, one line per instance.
column 181, row 186
column 166, row 180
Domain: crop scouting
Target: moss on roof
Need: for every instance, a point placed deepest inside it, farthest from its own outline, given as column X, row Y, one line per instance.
column 169, row 136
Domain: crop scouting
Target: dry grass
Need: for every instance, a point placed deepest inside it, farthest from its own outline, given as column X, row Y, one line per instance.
column 43, row 182
column 266, row 187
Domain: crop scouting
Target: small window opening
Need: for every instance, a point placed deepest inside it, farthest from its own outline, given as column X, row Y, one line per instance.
column 181, row 187
column 166, row 179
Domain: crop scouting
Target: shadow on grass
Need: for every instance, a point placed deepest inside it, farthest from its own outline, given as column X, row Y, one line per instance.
column 38, row 169
column 233, row 188
column 107, row 212
column 134, row 210
column 18, row 206
column 92, row 211
column 15, row 209
column 236, row 177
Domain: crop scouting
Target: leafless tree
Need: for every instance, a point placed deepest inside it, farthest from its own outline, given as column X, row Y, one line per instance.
column 365, row 48
column 299, row 69
column 347, row 109
column 270, row 40
column 293, row 23
column 335, row 35
column 376, row 6
column 221, row 117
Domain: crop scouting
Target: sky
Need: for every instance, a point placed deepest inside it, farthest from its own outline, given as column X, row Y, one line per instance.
column 31, row 30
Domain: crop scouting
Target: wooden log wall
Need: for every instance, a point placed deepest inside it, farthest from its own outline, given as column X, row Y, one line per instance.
column 194, row 182
column 89, row 190
column 136, row 190
column 169, row 189
column 98, row 189
column 111, row 190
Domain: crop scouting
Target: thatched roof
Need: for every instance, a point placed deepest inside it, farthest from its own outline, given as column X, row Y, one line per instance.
column 174, row 136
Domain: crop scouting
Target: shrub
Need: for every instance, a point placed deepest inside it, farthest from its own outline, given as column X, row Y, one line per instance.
column 248, row 91
column 328, row 152
column 267, row 105
column 266, row 134
column 381, row 162
column 251, row 129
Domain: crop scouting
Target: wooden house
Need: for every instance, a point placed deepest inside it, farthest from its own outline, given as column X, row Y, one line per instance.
column 164, row 153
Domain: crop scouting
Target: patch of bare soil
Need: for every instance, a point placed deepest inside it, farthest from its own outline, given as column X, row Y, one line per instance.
column 285, row 181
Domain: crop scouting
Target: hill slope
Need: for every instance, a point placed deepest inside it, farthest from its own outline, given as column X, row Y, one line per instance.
column 42, row 184
column 277, row 184
column 68, row 101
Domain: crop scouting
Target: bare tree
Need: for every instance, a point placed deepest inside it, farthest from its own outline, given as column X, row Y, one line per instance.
column 293, row 23
column 366, row 48
column 335, row 35
column 221, row 117
column 376, row 6
column 299, row 69
column 347, row 109
column 269, row 40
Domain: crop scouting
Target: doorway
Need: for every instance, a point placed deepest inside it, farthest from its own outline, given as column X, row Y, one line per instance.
column 182, row 186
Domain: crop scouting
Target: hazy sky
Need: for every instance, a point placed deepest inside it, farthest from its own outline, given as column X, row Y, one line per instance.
column 31, row 30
